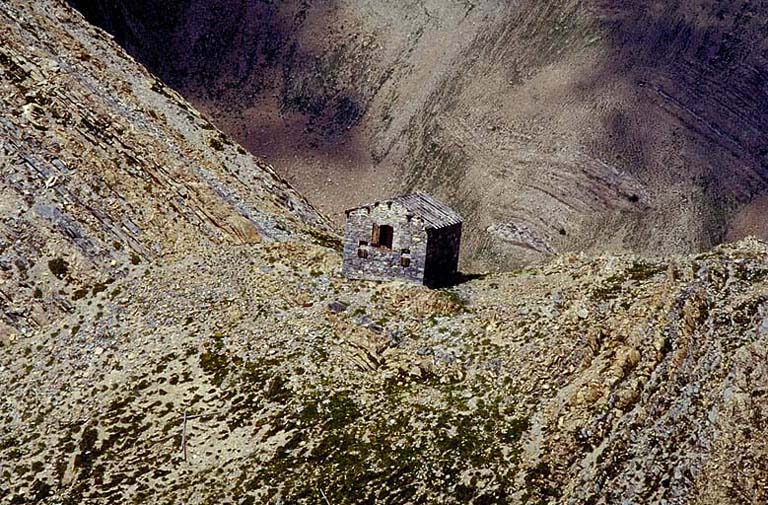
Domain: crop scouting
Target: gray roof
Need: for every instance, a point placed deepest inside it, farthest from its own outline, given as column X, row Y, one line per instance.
column 434, row 213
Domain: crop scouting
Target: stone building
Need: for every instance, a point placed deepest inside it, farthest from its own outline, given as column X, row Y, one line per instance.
column 412, row 237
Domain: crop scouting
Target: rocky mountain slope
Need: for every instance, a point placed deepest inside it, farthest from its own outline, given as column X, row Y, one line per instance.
column 553, row 126
column 104, row 168
column 175, row 330
column 599, row 380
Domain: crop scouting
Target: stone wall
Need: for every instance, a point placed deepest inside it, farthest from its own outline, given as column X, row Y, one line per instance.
column 433, row 254
column 442, row 255
column 382, row 263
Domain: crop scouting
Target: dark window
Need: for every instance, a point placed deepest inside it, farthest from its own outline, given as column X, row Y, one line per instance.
column 362, row 253
column 386, row 233
column 382, row 235
column 405, row 258
column 362, row 242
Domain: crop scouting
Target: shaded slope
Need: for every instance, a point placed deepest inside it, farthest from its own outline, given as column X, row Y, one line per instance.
column 542, row 122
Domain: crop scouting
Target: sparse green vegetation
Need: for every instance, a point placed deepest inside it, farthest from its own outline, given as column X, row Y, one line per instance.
column 58, row 267
column 219, row 371
column 216, row 144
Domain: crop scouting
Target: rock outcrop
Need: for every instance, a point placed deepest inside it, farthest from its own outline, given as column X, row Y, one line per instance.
column 594, row 125
column 104, row 168
column 175, row 329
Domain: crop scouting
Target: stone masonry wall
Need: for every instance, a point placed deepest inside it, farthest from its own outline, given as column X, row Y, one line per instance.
column 384, row 264
column 442, row 255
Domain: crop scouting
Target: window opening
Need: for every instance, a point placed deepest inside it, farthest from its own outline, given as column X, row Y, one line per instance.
column 405, row 258
column 381, row 236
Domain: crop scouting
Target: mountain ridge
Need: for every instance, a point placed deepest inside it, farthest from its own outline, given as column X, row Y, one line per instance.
column 105, row 167
column 176, row 329
column 591, row 125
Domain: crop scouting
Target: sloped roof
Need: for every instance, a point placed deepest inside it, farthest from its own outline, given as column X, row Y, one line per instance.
column 434, row 213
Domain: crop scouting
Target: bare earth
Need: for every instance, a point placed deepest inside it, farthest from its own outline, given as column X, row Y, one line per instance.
column 174, row 328
column 593, row 125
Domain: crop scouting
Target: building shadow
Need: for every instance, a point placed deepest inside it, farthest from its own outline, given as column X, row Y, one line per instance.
column 456, row 279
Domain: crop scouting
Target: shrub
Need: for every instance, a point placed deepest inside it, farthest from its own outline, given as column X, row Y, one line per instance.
column 58, row 267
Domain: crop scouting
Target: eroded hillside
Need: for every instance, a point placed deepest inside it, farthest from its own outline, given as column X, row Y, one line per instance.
column 104, row 168
column 588, row 381
column 175, row 329
column 552, row 126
